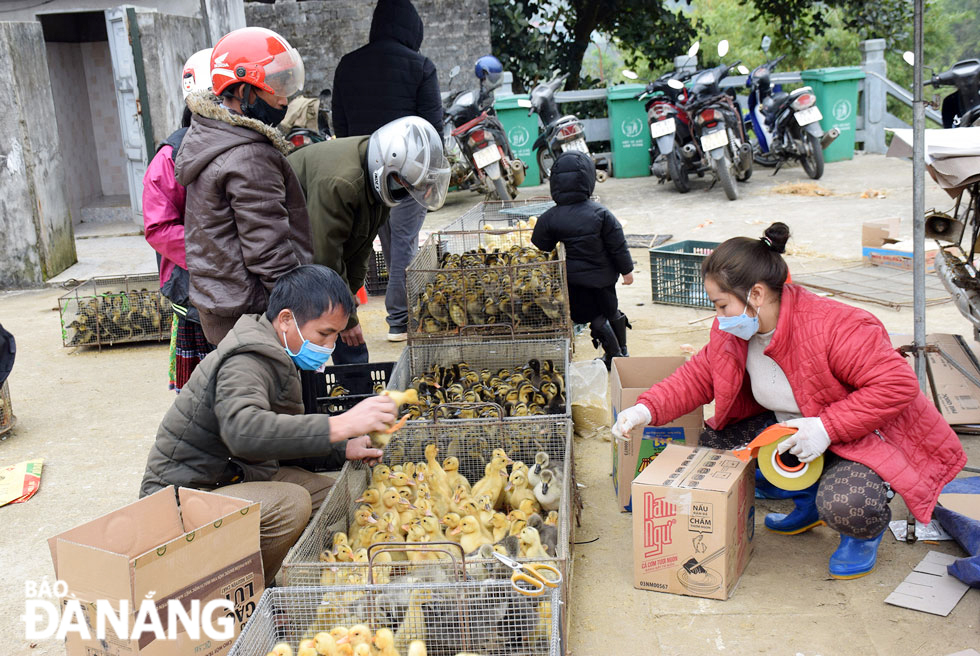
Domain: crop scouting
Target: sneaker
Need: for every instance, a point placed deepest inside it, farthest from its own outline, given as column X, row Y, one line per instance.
column 397, row 334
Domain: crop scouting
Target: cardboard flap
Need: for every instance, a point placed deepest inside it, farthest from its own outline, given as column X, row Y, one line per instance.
column 693, row 468
column 130, row 530
column 930, row 588
column 201, row 508
column 638, row 372
column 92, row 573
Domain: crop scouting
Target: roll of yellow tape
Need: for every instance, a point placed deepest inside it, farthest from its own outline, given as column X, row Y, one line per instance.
column 785, row 471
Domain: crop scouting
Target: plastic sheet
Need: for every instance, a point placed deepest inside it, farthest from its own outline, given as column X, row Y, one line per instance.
column 589, row 385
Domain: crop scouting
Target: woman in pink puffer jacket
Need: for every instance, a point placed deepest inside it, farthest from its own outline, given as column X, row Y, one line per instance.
column 778, row 353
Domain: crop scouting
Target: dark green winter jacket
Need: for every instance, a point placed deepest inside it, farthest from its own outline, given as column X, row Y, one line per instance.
column 240, row 412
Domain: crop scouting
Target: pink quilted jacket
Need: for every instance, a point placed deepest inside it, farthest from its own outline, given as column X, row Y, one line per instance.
column 843, row 369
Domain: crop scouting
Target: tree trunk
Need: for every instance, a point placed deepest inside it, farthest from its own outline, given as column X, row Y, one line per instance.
column 587, row 19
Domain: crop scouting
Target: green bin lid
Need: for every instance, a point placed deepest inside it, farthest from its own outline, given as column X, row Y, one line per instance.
column 510, row 102
column 624, row 91
column 838, row 74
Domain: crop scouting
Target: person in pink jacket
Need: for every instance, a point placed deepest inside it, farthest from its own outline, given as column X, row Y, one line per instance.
column 778, row 353
column 163, row 227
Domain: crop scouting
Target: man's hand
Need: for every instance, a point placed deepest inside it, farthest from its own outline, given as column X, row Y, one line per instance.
column 359, row 448
column 628, row 279
column 375, row 413
column 352, row 337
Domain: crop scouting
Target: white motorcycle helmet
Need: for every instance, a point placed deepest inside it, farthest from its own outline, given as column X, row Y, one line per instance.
column 405, row 158
column 196, row 75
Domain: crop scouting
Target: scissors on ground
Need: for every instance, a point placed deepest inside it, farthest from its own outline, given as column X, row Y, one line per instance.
column 530, row 579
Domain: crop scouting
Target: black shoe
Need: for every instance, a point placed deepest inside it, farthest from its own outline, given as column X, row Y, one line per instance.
column 619, row 326
column 602, row 333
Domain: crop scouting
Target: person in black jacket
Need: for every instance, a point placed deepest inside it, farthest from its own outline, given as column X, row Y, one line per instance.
column 595, row 251
column 374, row 85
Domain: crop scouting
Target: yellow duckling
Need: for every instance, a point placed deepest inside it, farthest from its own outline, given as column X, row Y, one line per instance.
column 359, row 634
column 519, row 466
column 340, row 538
column 282, row 649
column 394, row 502
column 363, row 649
column 384, row 642
column 451, row 521
column 431, row 526
column 517, row 489
column 453, row 478
column 404, row 483
column 417, row 648
column 344, row 554
column 306, row 651
column 485, row 505
column 552, row 519
column 413, row 624
column 530, row 544
column 379, row 477
column 499, row 526
column 518, row 520
column 436, row 475
column 472, row 537
column 493, row 482
column 392, row 524
column 325, row 644
column 529, row 507
column 372, row 498
column 461, row 494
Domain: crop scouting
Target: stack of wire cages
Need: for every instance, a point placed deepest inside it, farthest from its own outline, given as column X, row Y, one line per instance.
column 482, row 276
column 7, row 418
column 115, row 309
column 465, row 437
column 477, row 616
column 675, row 273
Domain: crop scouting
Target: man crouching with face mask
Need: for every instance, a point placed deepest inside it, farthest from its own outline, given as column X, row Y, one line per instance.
column 245, row 217
column 242, row 412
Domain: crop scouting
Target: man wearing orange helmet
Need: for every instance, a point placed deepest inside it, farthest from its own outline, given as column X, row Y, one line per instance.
column 246, row 220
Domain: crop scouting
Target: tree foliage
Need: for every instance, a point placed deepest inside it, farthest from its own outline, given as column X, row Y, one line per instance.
column 647, row 29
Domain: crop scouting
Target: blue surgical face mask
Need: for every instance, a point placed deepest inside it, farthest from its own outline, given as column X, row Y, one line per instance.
column 743, row 326
column 311, row 357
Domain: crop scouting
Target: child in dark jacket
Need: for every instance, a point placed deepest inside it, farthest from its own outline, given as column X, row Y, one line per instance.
column 595, row 251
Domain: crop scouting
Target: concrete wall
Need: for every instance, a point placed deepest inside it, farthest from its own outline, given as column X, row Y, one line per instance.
column 71, row 100
column 167, row 43
column 223, row 16
column 35, row 220
column 105, row 118
column 456, row 32
column 32, row 10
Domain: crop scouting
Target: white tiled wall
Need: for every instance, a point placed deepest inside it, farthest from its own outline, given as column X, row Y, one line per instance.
column 105, row 118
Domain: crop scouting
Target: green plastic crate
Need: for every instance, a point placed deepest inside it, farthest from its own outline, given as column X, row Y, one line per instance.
column 675, row 273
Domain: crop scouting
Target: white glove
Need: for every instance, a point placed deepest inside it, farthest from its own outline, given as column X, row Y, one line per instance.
column 630, row 418
column 808, row 442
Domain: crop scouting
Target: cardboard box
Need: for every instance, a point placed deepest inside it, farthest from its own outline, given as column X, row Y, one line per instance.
column 695, row 510
column 631, row 377
column 881, row 246
column 206, row 549
column 955, row 395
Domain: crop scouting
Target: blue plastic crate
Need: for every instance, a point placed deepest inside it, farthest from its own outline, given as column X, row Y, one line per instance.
column 675, row 273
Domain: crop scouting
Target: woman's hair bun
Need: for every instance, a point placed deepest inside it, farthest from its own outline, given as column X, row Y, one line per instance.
column 776, row 236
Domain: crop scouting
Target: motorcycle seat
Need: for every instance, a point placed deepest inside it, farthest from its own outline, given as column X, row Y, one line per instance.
column 774, row 101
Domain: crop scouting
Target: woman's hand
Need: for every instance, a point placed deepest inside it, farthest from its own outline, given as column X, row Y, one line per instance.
column 630, row 418
column 808, row 442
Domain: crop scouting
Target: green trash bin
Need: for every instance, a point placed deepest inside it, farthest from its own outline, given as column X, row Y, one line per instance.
column 628, row 132
column 837, row 94
column 522, row 131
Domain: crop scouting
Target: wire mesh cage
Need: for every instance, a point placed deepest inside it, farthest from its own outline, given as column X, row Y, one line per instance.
column 481, row 616
column 7, row 418
column 500, row 215
column 675, row 273
column 115, row 309
column 486, row 278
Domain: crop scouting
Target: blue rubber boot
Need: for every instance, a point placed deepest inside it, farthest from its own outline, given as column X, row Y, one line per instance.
column 854, row 558
column 802, row 518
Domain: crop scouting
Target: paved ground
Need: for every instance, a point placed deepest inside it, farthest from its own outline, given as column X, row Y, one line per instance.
column 92, row 416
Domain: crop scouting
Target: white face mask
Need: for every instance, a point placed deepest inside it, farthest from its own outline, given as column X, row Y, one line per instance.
column 742, row 326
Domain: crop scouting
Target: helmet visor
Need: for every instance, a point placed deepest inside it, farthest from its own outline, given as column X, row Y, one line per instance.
column 427, row 172
column 285, row 74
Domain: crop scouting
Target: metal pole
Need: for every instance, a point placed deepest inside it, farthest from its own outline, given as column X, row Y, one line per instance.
column 919, row 204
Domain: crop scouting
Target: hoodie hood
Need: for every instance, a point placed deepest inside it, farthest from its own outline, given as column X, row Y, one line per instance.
column 210, row 137
column 572, row 178
column 398, row 20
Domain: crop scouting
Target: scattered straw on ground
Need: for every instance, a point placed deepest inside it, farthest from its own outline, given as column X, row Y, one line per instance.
column 801, row 189
column 873, row 193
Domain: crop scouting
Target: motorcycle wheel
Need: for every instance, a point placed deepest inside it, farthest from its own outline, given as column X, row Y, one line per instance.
column 724, row 170
column 545, row 162
column 678, row 174
column 812, row 159
column 500, row 187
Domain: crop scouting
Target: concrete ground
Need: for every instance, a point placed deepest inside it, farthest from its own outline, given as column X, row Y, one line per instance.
column 92, row 416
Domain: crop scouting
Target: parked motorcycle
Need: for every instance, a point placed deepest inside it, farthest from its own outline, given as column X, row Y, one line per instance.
column 786, row 125
column 670, row 128
column 717, row 130
column 962, row 107
column 560, row 133
column 475, row 141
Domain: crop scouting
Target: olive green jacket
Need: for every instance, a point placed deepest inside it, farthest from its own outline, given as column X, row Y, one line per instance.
column 240, row 412
column 345, row 213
